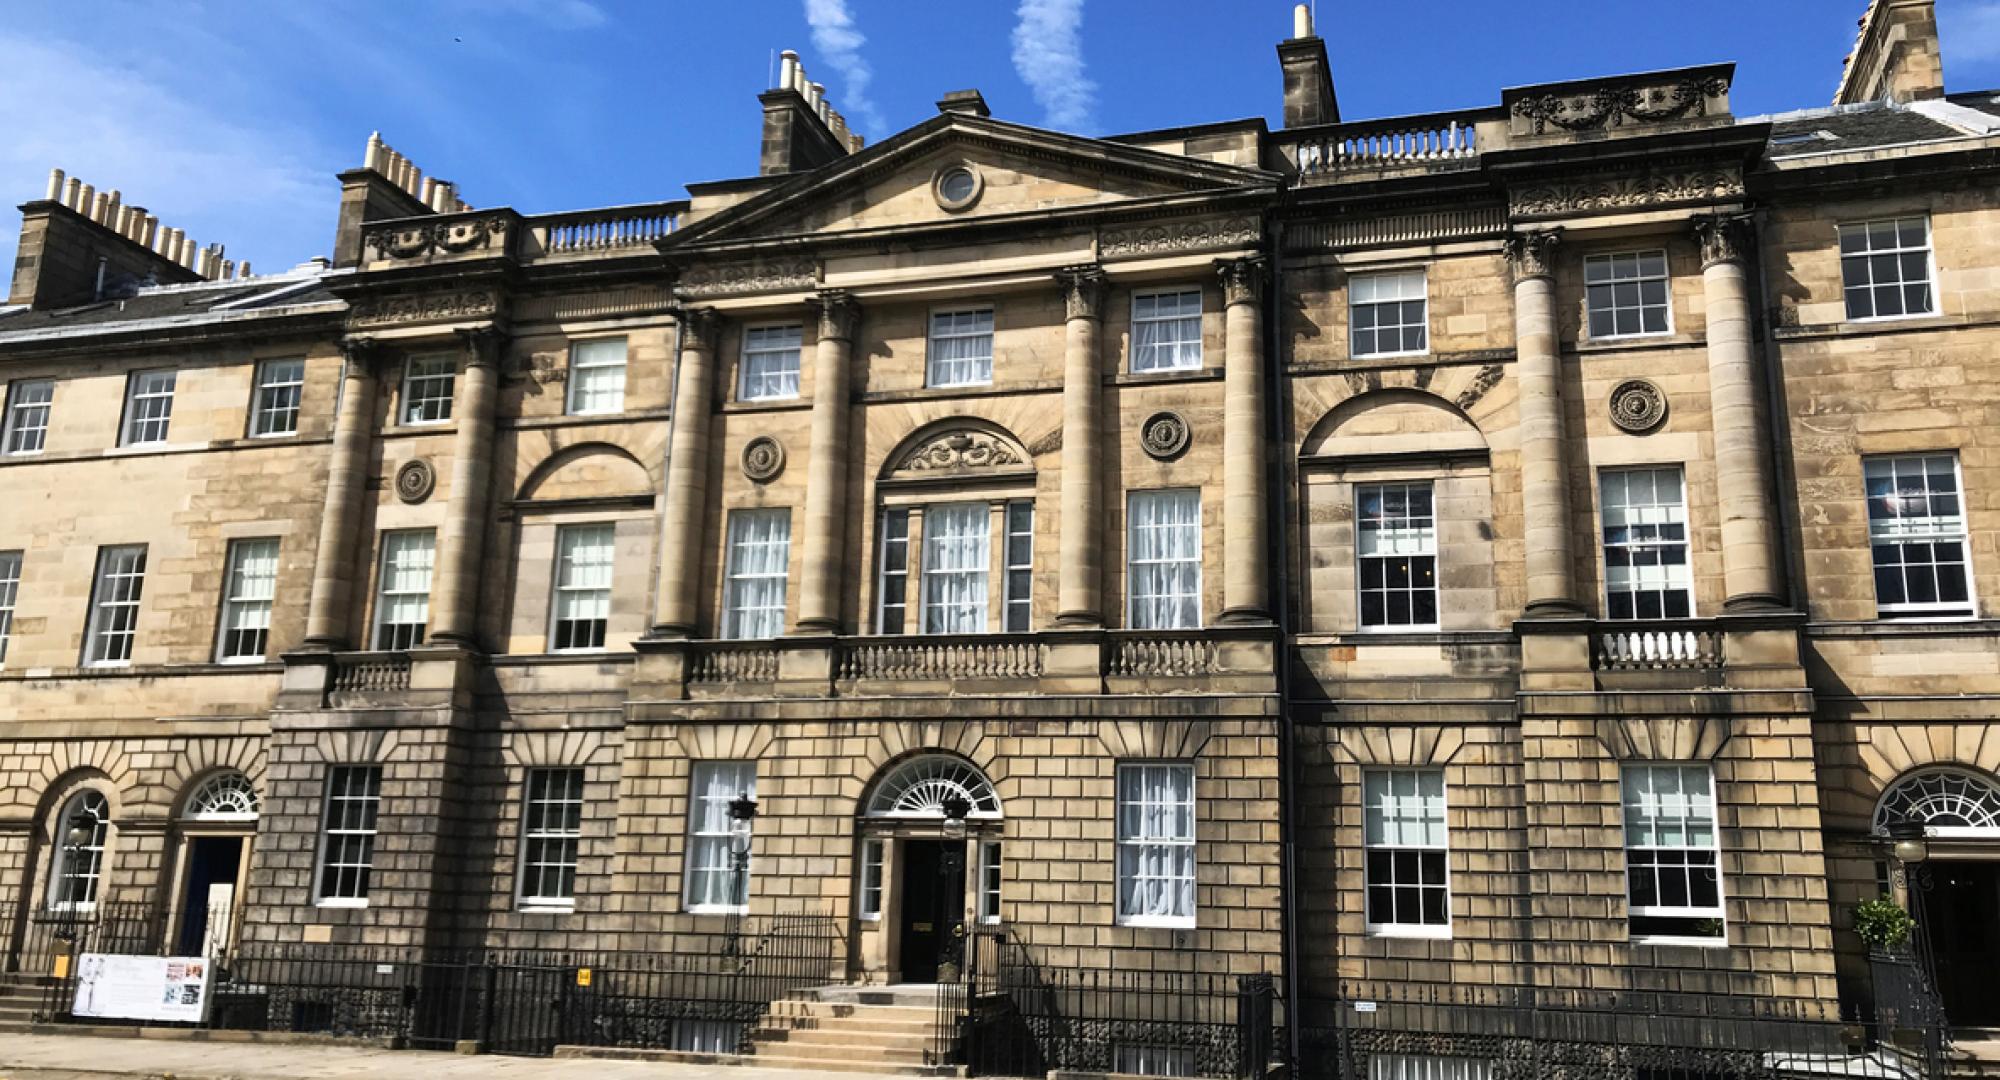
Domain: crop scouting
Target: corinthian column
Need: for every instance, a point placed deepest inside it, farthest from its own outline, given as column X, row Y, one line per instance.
column 1080, row 578
column 328, row 618
column 687, row 477
column 1544, row 450
column 1245, row 508
column 455, row 599
column 826, row 464
column 1742, row 463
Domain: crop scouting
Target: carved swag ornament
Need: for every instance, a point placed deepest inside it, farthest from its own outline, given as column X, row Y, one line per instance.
column 441, row 237
column 1612, row 107
column 435, row 307
column 960, row 451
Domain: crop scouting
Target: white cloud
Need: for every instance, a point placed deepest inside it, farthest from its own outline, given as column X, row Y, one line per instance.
column 188, row 161
column 1048, row 55
column 1970, row 32
column 836, row 39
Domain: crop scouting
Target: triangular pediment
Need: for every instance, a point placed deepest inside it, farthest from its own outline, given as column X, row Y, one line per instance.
column 1015, row 171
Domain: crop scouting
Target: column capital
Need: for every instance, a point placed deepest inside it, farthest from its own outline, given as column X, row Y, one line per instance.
column 1083, row 291
column 1532, row 255
column 481, row 344
column 362, row 351
column 699, row 327
column 1242, row 279
column 1724, row 238
column 839, row 314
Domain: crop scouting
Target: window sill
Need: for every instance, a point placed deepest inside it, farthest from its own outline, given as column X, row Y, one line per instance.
column 1352, row 355
column 1879, row 320
column 1409, row 933
column 716, row 909
column 1683, row 942
column 267, row 435
column 239, row 661
column 594, row 413
column 530, row 907
column 1391, row 631
column 1156, row 922
column 337, row 903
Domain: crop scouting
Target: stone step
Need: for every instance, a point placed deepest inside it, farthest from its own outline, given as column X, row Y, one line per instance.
column 807, row 1007
column 839, row 1051
column 858, row 1024
column 808, row 1064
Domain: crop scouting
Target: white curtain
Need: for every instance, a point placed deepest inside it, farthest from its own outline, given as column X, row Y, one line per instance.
column 1156, row 841
column 583, row 577
column 760, row 550
column 957, row 563
column 1165, row 560
column 1166, row 331
column 770, row 363
column 961, row 348
column 1423, row 1067
column 597, row 376
column 712, row 880
column 407, row 558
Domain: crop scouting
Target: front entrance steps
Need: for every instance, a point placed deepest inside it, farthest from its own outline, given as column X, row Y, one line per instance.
column 854, row 1029
column 21, row 998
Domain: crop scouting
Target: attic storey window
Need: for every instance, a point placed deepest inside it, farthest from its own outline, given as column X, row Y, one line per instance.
column 427, row 388
column 276, row 408
column 597, row 376
column 149, row 408
column 770, row 367
column 25, row 428
column 961, row 348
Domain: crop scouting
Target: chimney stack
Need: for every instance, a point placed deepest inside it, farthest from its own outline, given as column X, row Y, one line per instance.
column 1309, row 96
column 387, row 185
column 76, row 240
column 802, row 129
column 1896, row 56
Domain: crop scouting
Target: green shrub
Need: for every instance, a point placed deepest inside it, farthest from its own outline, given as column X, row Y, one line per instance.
column 1882, row 924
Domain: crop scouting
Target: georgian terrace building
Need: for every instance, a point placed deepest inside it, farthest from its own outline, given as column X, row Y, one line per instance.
column 1536, row 546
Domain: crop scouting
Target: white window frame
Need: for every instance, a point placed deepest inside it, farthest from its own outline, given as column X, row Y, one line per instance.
column 14, row 428
column 1145, row 359
column 280, row 391
column 1139, row 843
column 565, row 590
column 762, row 374
column 539, row 838
column 869, row 887
column 60, row 869
column 740, row 621
column 244, row 596
column 1440, row 848
column 1928, row 528
column 343, row 792
column 701, row 840
column 1133, row 597
column 1374, row 281
column 149, row 401
column 1654, row 515
column 1613, row 263
column 992, row 870
column 1899, row 252
column 1719, row 912
column 384, row 595
column 105, row 612
column 889, row 550
column 10, row 595
column 953, row 333
column 1396, row 530
column 978, row 570
column 584, row 357
column 427, row 371
column 1136, row 1058
column 1382, row 1066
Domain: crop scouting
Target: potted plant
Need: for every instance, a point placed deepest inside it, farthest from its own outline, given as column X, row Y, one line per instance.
column 1883, row 924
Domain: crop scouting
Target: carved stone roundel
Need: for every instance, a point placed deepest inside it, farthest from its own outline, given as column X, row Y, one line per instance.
column 1165, row 435
column 763, row 459
column 1638, row 406
column 415, row 480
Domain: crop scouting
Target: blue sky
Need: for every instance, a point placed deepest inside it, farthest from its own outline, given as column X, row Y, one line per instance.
column 229, row 119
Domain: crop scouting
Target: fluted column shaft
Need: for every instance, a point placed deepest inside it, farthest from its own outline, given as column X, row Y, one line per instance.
column 826, row 465
column 1751, row 575
column 1545, row 503
column 1080, row 575
column 1245, row 503
column 687, row 477
column 329, row 616
column 454, row 618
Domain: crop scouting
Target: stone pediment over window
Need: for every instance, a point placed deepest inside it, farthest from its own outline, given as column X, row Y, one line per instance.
column 958, row 168
column 965, row 451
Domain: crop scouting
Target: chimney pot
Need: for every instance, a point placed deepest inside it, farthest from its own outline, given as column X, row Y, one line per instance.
column 1302, row 21
column 72, row 192
column 788, row 68
column 86, row 200
column 55, row 184
column 243, row 269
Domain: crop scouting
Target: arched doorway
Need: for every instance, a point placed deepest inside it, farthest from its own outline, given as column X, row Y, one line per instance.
column 216, row 823
column 1960, row 811
column 925, row 878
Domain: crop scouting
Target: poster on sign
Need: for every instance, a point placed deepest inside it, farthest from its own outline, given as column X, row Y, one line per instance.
column 163, row 988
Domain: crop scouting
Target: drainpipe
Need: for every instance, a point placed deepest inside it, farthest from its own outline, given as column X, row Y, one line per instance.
column 1279, row 405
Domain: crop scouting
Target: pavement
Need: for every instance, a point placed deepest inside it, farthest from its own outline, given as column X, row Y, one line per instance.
column 86, row 1057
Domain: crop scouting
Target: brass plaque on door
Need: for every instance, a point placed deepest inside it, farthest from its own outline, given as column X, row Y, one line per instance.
column 921, row 927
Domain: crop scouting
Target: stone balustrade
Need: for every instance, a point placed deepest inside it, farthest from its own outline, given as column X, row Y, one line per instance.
column 1436, row 140
column 724, row 662
column 369, row 673
column 1656, row 646
column 608, row 230
column 1159, row 654
column 1016, row 656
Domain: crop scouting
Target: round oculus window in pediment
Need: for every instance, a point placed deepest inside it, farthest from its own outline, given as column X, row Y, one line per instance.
column 957, row 187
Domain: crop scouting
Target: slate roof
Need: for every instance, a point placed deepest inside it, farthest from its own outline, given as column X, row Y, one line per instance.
column 174, row 304
column 1986, row 101
column 1855, row 128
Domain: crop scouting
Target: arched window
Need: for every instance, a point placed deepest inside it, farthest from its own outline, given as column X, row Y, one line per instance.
column 917, row 790
column 80, row 836
column 954, row 550
column 1950, row 802
column 226, row 796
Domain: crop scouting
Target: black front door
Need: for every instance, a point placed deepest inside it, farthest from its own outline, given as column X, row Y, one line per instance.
column 1965, row 939
column 211, row 860
column 933, row 881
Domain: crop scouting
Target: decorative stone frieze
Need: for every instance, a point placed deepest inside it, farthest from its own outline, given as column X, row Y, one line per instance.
column 1482, row 383
column 1209, row 235
column 1627, row 192
column 432, row 307
column 763, row 459
column 461, row 236
column 1606, row 107
column 415, row 480
column 1638, row 406
column 1165, row 435
column 755, row 277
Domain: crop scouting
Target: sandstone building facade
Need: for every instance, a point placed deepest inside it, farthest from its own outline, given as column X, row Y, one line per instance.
column 1541, row 546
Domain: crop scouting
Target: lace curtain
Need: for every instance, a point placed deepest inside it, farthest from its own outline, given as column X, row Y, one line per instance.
column 712, row 882
column 1165, row 560
column 1156, row 842
column 957, row 562
column 760, row 546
